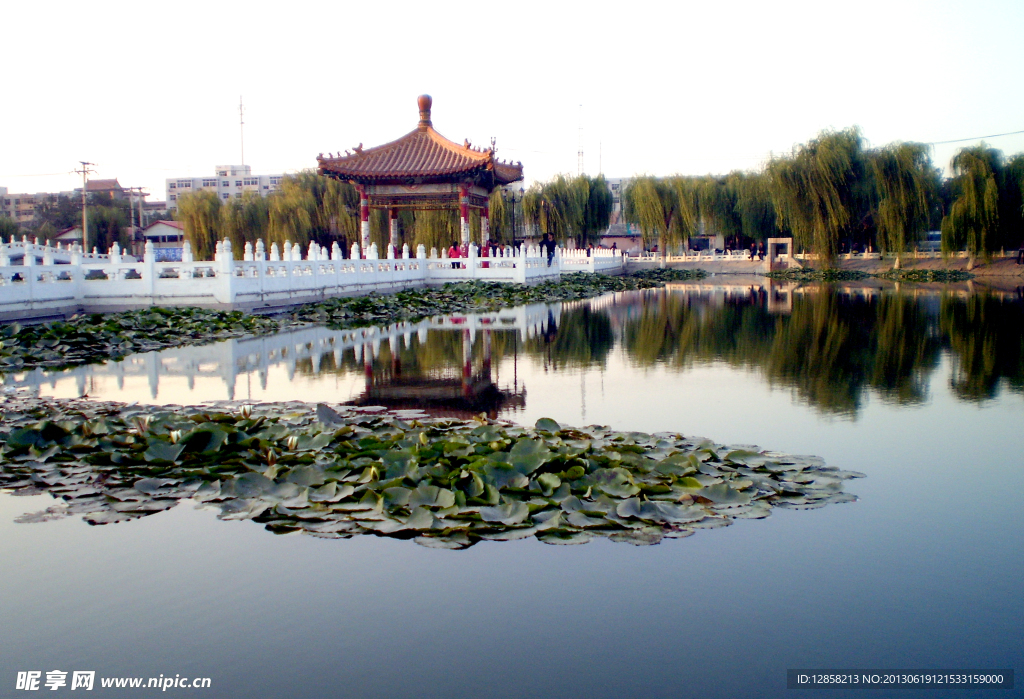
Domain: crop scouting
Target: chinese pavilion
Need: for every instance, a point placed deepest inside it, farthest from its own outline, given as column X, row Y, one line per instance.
column 422, row 170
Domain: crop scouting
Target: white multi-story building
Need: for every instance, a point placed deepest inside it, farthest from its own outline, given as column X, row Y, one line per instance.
column 229, row 182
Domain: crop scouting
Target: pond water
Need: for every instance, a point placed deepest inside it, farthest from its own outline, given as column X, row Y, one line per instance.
column 921, row 390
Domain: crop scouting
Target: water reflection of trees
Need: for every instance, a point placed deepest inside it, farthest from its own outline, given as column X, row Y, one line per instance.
column 584, row 337
column 833, row 346
column 986, row 337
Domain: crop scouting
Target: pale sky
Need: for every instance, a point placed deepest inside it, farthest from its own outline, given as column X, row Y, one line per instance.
column 150, row 90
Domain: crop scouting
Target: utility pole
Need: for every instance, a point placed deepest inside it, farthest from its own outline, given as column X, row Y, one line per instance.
column 85, row 213
column 241, row 127
column 142, row 197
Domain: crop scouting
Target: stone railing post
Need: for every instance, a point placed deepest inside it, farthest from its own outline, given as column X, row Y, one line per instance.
column 472, row 261
column 149, row 268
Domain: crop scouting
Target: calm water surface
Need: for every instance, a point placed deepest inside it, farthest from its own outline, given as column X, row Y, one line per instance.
column 921, row 391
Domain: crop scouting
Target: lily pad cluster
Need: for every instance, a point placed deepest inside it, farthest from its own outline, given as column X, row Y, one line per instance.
column 97, row 337
column 944, row 276
column 338, row 472
column 477, row 297
column 807, row 274
column 93, row 338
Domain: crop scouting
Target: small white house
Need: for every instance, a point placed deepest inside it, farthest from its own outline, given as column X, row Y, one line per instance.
column 165, row 234
column 69, row 236
column 167, row 238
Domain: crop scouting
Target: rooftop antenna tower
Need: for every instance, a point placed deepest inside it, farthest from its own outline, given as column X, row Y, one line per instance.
column 579, row 153
column 241, row 127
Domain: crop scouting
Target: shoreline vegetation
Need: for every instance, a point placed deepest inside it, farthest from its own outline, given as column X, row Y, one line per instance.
column 834, row 194
column 338, row 472
column 808, row 274
column 94, row 338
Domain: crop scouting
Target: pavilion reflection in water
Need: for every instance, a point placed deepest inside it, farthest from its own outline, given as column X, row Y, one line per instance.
column 426, row 363
column 461, row 390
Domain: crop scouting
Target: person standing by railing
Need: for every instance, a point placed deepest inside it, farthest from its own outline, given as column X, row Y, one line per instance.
column 548, row 246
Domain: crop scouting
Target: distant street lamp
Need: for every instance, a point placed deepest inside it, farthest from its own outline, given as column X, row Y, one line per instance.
column 510, row 198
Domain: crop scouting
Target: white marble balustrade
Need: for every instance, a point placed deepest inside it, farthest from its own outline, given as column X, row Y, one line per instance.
column 60, row 279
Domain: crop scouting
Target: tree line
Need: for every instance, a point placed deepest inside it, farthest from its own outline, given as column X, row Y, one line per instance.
column 833, row 194
column 309, row 207
column 109, row 220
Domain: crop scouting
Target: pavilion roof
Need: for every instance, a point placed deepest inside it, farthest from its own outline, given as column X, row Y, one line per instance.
column 102, row 185
column 421, row 154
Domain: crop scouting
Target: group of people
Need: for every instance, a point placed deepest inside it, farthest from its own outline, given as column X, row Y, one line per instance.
column 758, row 250
column 494, row 249
column 491, row 249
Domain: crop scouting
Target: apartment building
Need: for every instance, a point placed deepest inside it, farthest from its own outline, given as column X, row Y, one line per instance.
column 229, row 181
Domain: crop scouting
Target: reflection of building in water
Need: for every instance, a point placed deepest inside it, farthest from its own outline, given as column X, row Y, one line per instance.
column 310, row 350
column 461, row 390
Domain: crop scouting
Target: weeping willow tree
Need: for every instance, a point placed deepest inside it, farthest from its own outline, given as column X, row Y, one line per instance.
column 553, row 207
column 814, row 190
column 8, row 227
column 905, row 183
column 754, row 209
column 291, row 216
column 598, row 214
column 309, row 207
column 199, row 212
column 502, row 220
column 973, row 218
column 436, row 228
column 717, row 203
column 579, row 208
column 1011, row 203
column 108, row 225
column 686, row 192
column 652, row 205
column 244, row 220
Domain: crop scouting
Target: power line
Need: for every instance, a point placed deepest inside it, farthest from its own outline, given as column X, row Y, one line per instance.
column 976, row 138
